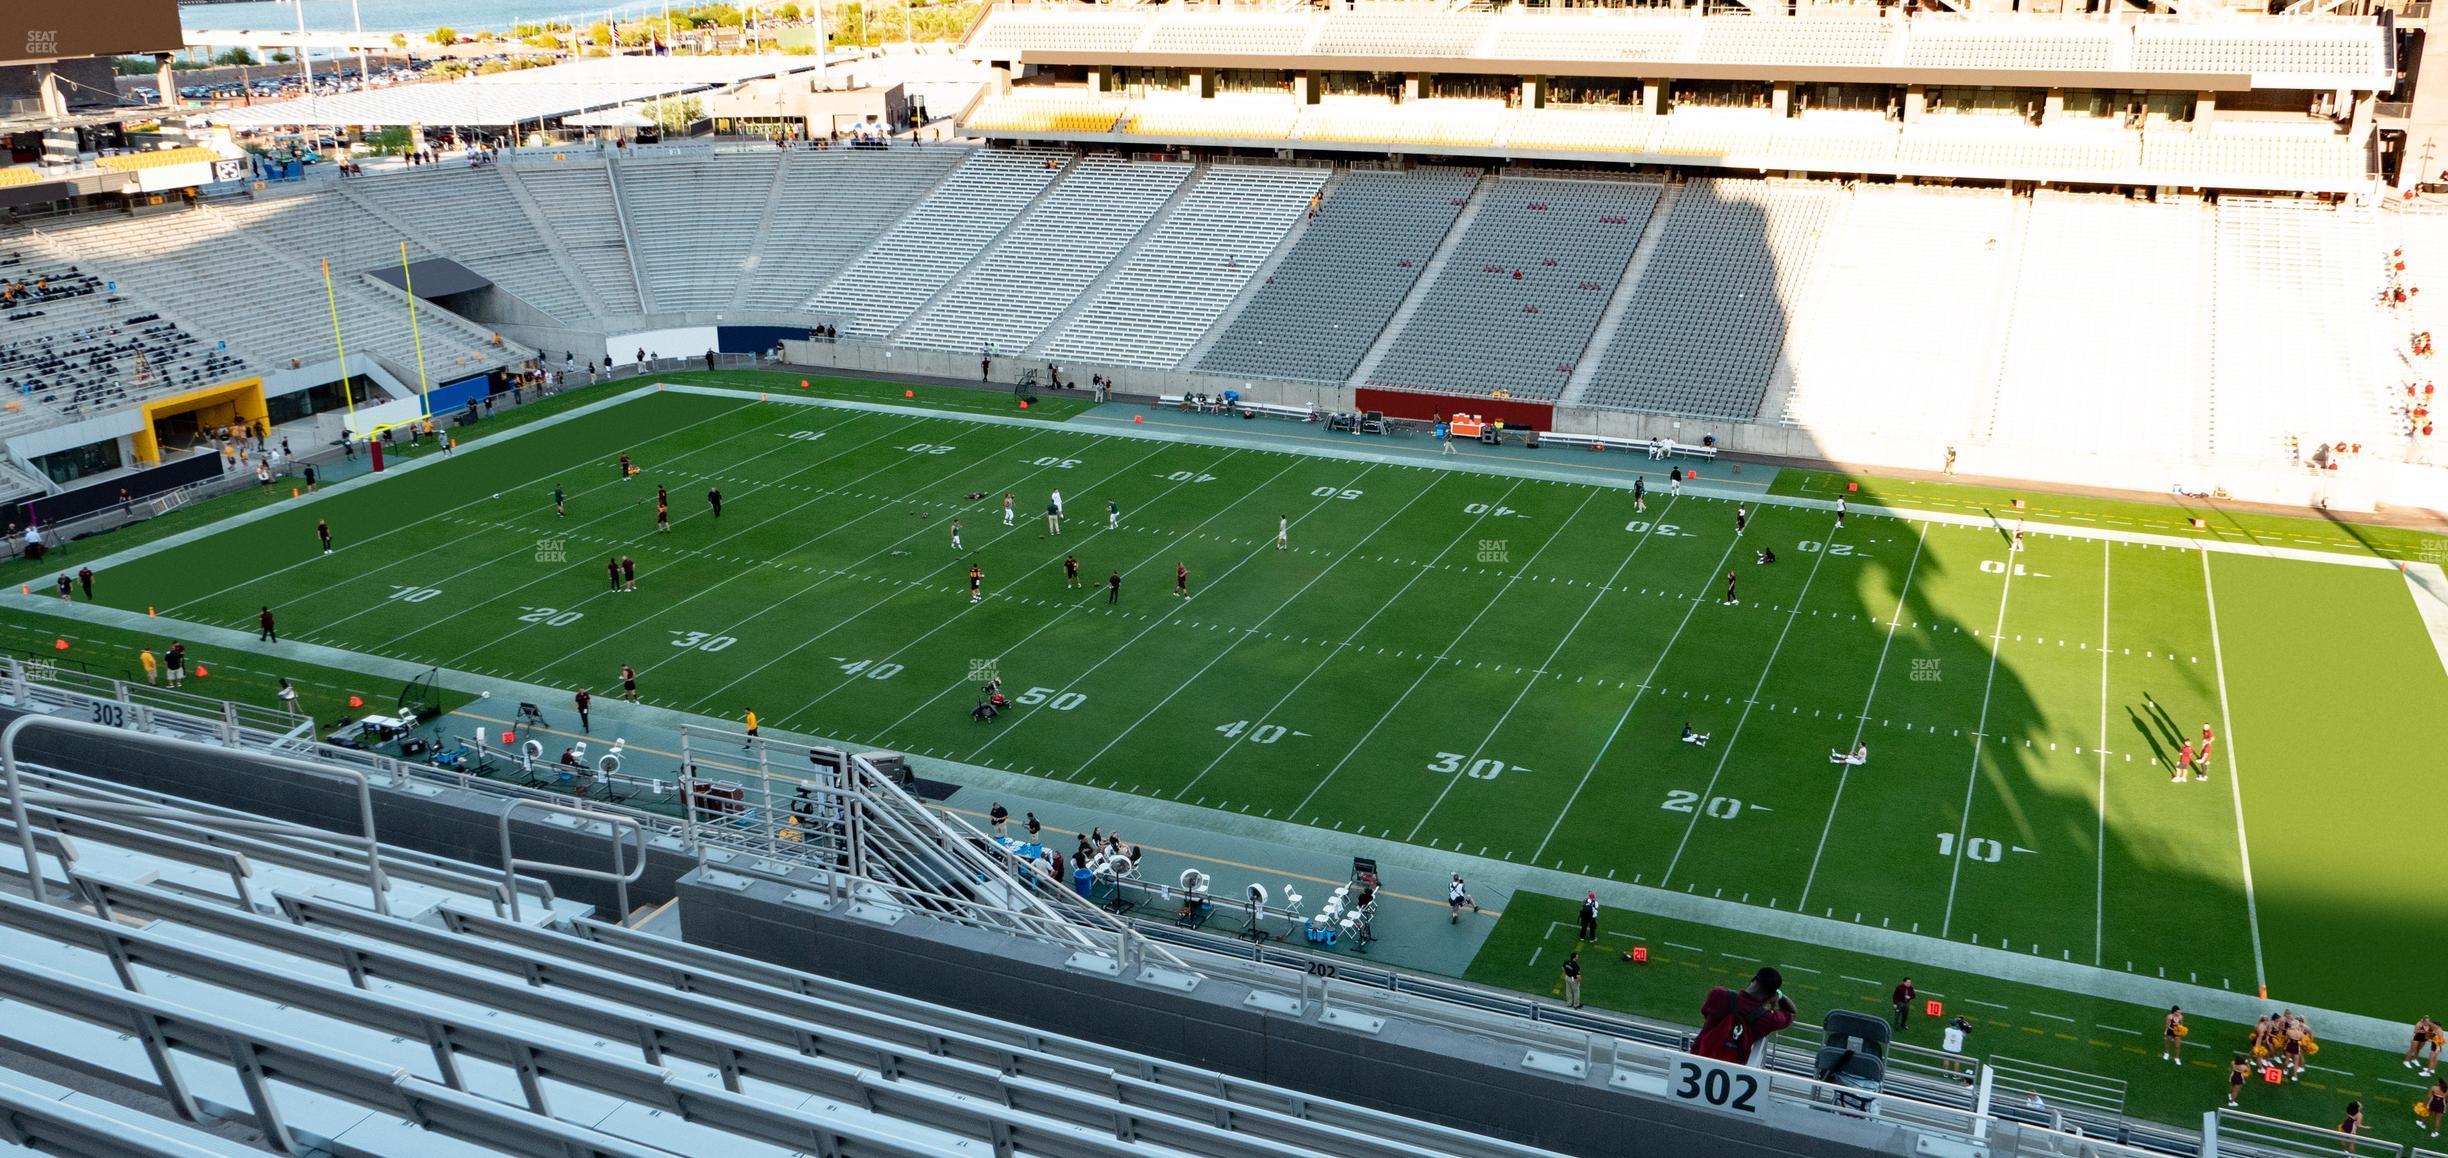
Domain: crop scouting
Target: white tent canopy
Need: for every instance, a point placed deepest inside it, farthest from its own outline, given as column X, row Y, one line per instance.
column 524, row 96
column 624, row 117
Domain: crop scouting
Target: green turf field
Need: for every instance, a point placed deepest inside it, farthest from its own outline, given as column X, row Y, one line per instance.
column 1465, row 661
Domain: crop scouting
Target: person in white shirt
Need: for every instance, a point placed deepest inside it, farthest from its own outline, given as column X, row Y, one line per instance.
column 1859, row 755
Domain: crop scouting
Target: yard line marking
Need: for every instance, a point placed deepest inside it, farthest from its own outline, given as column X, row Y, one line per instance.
column 2235, row 775
column 2099, row 840
column 708, row 549
column 1286, row 698
column 1685, row 948
column 1857, row 980
column 172, row 610
column 1161, row 620
column 2116, row 1029
column 1690, row 608
column 552, row 575
column 1734, row 740
column 1416, row 681
column 1978, row 1001
column 1480, row 749
column 1963, row 824
column 1156, row 621
column 894, row 594
column 1844, row 772
column 738, row 573
column 2052, row 1017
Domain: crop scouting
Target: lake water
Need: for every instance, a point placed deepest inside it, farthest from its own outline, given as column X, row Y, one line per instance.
column 415, row 17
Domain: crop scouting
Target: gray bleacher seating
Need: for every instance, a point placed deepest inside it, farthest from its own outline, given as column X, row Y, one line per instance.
column 1168, row 292
column 832, row 205
column 576, row 197
column 475, row 218
column 1516, row 301
column 1049, row 257
column 1316, row 315
column 936, row 239
column 693, row 222
column 454, row 1029
column 1706, row 323
column 72, row 344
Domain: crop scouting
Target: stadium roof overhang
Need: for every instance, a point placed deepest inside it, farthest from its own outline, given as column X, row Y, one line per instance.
column 515, row 98
column 1689, row 70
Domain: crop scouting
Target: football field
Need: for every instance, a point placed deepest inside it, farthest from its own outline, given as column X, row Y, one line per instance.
column 1458, row 658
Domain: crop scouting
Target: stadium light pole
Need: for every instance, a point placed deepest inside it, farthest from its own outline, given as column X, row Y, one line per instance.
column 305, row 67
column 356, row 22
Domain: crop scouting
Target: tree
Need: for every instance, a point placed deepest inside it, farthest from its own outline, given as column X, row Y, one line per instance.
column 281, row 57
column 676, row 115
column 399, row 40
column 450, row 70
column 444, row 35
column 237, row 56
column 599, row 33
column 387, row 142
column 788, row 12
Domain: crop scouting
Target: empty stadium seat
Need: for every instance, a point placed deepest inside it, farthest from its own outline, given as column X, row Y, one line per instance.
column 936, row 239
column 1519, row 295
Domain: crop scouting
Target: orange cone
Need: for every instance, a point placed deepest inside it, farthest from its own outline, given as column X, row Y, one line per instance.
column 200, row 672
column 60, row 644
column 293, row 492
column 803, row 384
column 148, row 611
column 1024, row 404
column 356, row 701
column 909, row 394
column 1138, row 418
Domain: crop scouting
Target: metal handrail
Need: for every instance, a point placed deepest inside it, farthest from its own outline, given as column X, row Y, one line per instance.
column 14, row 785
column 620, row 880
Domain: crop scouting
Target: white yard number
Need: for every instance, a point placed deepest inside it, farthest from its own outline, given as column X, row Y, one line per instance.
column 871, row 669
column 1494, row 512
column 1483, row 768
column 930, row 448
column 1058, row 463
column 1334, row 493
column 701, row 641
column 1641, row 527
column 804, row 435
column 1979, row 848
column 1721, row 807
column 1054, row 698
column 1262, row 734
column 550, row 616
column 1998, row 567
column 1832, row 548
column 413, row 594
column 1190, row 476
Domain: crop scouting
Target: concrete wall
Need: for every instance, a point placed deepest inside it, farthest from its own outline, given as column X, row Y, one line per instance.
column 1413, row 1068
column 2351, row 490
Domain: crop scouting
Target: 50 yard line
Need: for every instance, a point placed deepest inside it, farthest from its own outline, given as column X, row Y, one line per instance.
column 2235, row 777
column 1844, row 772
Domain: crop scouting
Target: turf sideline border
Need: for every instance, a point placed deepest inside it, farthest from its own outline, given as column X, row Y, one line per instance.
column 1513, row 470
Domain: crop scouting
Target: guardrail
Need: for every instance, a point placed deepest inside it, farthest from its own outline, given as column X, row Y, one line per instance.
column 865, row 843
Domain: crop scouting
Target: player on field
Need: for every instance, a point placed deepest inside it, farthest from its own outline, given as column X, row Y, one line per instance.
column 2208, row 738
column 714, row 500
column 612, row 570
column 628, row 573
column 956, row 535
column 1071, row 571
column 1007, row 508
column 1113, row 588
column 2184, row 761
column 977, row 583
column 1840, row 512
column 1674, row 482
column 1742, row 518
column 1640, row 497
column 625, row 468
column 1053, row 518
column 662, row 512
column 2171, row 1036
column 1113, row 515
column 2238, row 1071
column 1859, row 755
column 560, row 502
column 1283, row 531
column 1695, row 739
column 1058, row 507
column 323, row 533
column 628, row 683
column 1181, row 580
column 1729, row 595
